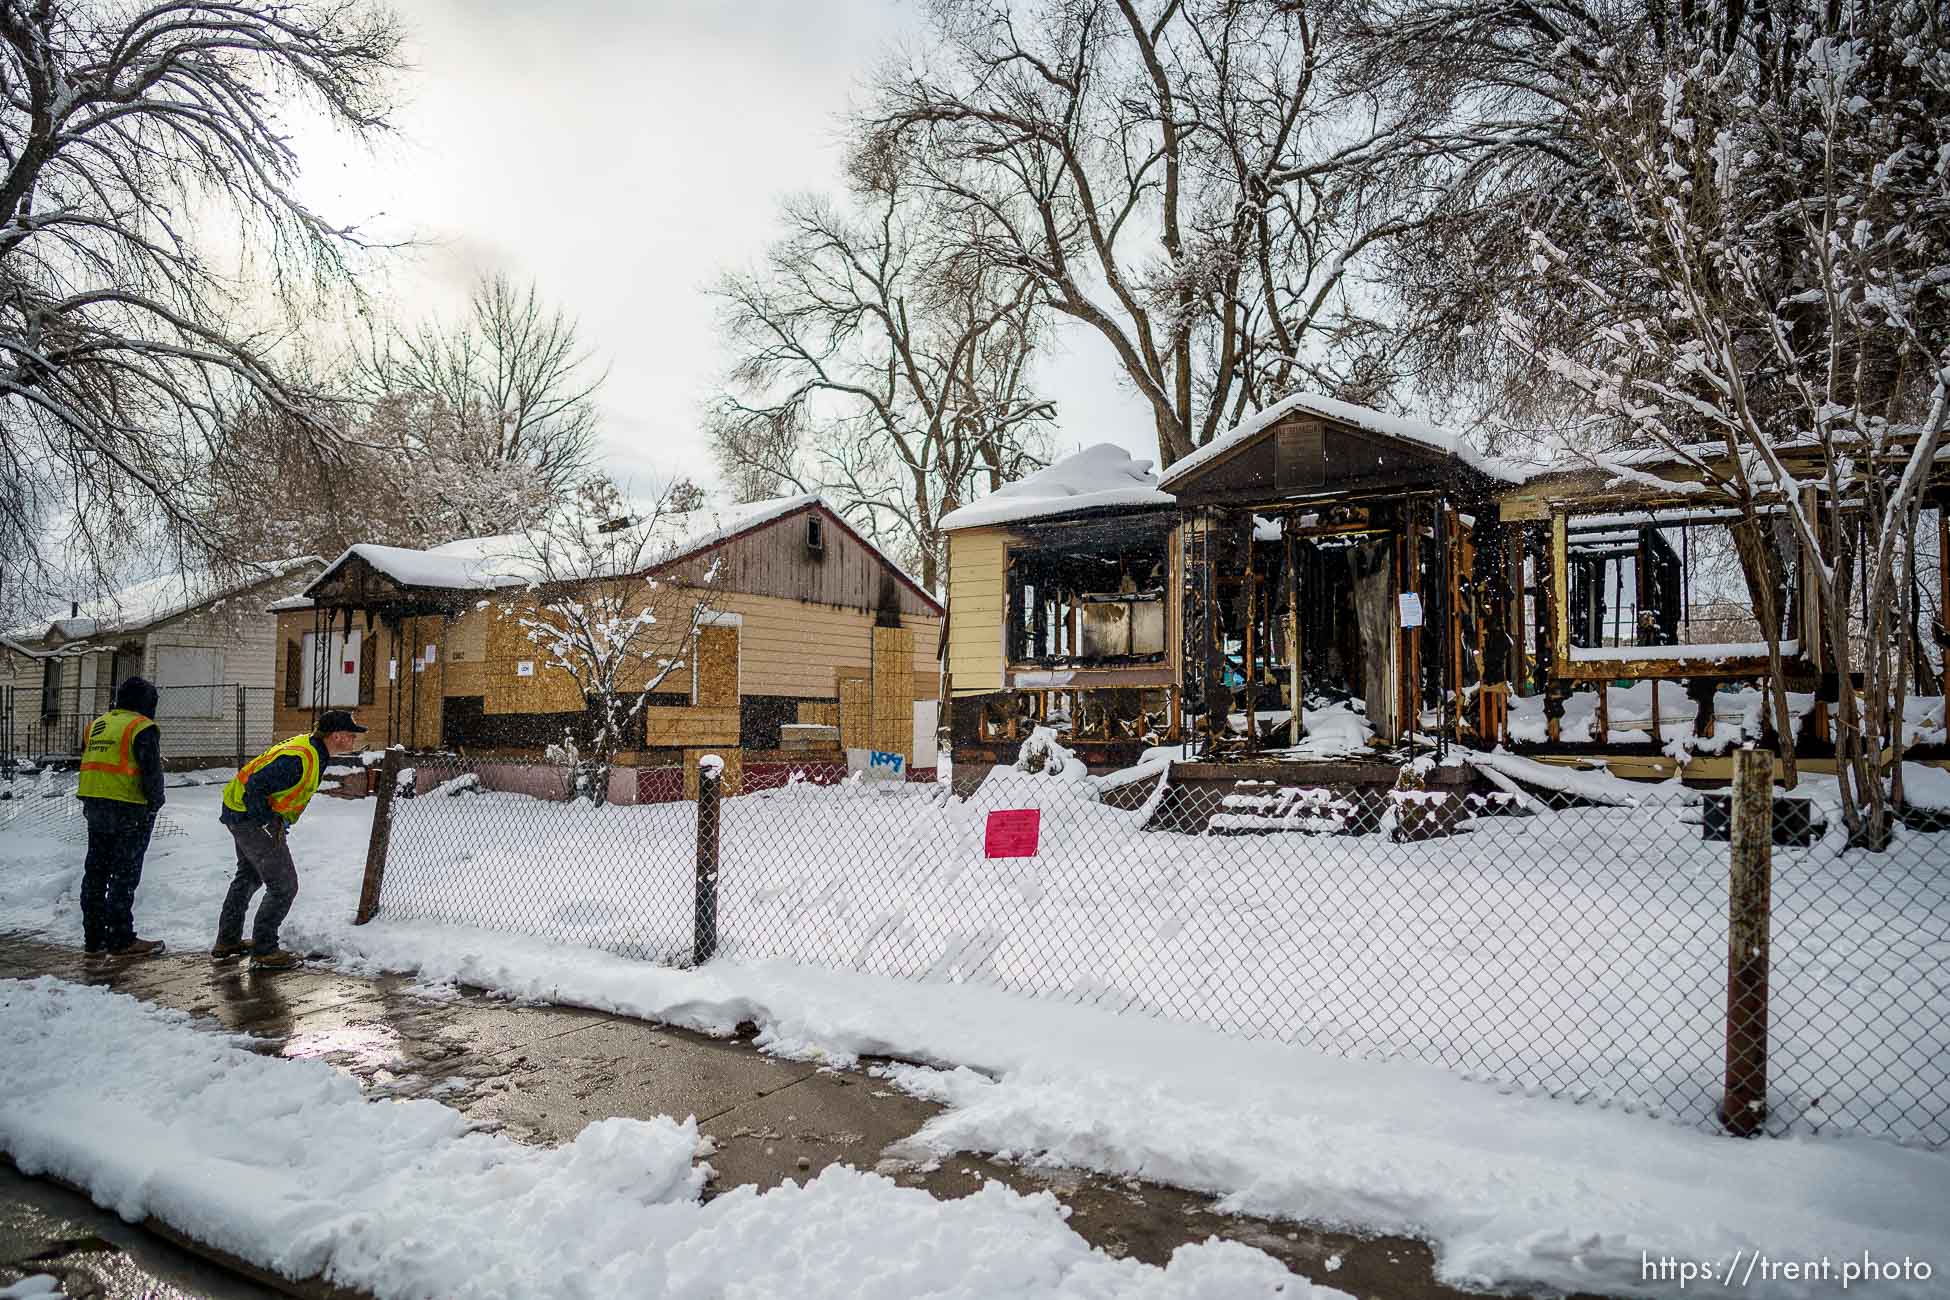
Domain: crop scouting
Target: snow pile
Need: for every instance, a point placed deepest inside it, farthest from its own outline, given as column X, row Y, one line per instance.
column 1591, row 785
column 1736, row 717
column 285, row 1165
column 1926, row 788
column 1095, row 478
column 1329, row 729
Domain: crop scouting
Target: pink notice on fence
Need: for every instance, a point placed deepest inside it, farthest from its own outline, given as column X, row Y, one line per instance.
column 1012, row 833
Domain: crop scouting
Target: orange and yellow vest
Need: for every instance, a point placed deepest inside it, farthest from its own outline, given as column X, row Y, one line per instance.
column 288, row 803
column 108, row 766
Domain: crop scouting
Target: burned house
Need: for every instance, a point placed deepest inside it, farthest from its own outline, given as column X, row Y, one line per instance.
column 1328, row 584
column 1655, row 604
column 1063, row 586
column 813, row 642
column 1347, row 562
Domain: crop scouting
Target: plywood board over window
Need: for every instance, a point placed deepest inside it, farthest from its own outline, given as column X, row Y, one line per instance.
column 892, row 688
column 548, row 689
column 856, row 710
column 717, row 666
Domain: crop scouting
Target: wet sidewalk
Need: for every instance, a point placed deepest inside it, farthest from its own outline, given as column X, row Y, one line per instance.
column 541, row 1073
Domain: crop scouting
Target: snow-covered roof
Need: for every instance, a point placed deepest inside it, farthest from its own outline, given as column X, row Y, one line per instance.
column 1095, row 478
column 510, row 559
column 157, row 599
column 470, row 564
column 1399, row 427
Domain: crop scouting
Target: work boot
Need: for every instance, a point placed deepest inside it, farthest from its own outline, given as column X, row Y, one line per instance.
column 137, row 949
column 276, row 959
column 230, row 950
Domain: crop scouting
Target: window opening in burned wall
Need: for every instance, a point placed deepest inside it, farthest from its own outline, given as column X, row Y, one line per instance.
column 1096, row 604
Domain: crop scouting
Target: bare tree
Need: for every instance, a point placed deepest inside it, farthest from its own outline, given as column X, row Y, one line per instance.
column 120, row 330
column 604, row 611
column 1191, row 179
column 405, row 473
column 512, row 371
column 1770, row 294
column 873, row 368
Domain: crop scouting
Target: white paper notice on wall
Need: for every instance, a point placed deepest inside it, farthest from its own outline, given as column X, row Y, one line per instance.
column 524, row 667
column 430, row 654
column 419, row 666
column 392, row 670
column 1411, row 604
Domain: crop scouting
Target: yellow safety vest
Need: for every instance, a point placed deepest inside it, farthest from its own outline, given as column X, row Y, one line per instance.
column 108, row 766
column 288, row 803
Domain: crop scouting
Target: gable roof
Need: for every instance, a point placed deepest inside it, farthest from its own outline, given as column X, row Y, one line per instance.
column 1420, row 434
column 506, row 560
column 1099, row 477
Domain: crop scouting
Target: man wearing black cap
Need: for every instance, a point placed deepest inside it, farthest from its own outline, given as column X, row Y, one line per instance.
column 260, row 805
column 121, row 792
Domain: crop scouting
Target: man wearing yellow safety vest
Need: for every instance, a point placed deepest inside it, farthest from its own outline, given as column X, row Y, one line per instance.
column 121, row 791
column 261, row 803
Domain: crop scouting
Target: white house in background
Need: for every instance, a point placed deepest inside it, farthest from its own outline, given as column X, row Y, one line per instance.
column 198, row 637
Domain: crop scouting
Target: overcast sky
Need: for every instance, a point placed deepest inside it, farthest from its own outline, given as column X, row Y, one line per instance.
column 621, row 155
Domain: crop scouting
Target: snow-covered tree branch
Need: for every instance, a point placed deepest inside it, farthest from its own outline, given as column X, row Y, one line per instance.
column 1771, row 304
column 601, row 609
column 124, row 131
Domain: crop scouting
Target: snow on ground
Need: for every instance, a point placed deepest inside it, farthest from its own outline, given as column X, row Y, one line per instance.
column 1736, row 714
column 1926, row 787
column 1511, row 1188
column 1583, row 950
column 286, row 1165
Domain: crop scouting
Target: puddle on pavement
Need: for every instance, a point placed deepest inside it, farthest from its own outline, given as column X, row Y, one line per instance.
column 358, row 1049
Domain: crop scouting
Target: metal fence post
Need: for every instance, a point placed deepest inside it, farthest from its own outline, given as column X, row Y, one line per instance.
column 241, row 756
column 382, row 832
column 1743, row 1110
column 710, row 770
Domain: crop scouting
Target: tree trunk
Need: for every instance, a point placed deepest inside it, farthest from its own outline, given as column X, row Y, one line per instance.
column 1764, row 582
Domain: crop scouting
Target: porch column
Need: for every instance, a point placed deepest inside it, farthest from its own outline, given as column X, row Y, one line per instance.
column 1409, row 691
column 1289, row 567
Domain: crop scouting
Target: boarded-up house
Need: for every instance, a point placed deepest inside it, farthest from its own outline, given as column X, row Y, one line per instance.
column 814, row 642
column 204, row 639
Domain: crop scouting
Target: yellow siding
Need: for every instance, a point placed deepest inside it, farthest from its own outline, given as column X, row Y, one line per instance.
column 927, row 657
column 976, row 576
column 795, row 649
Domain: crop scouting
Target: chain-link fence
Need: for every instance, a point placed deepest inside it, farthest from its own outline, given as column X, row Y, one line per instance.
column 1570, row 945
column 214, row 724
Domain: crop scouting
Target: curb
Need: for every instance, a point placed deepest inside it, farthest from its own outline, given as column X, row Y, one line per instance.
column 308, row 1289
